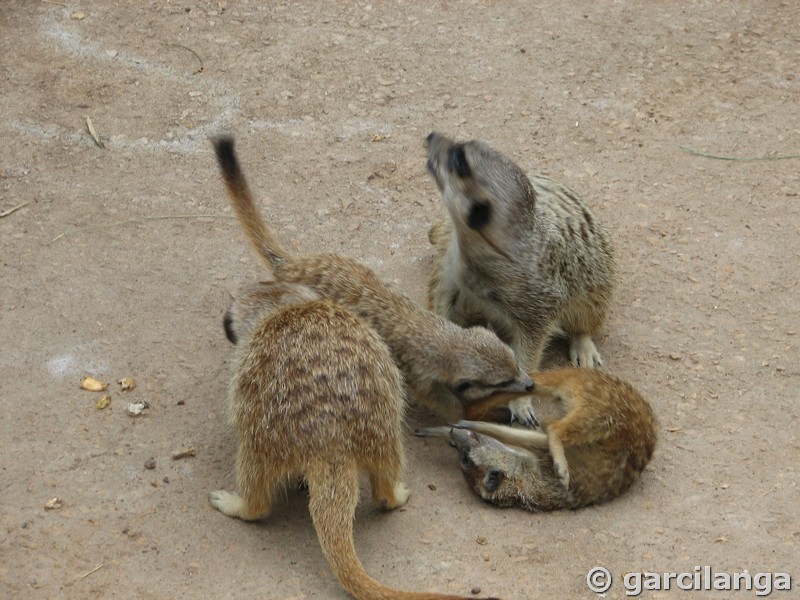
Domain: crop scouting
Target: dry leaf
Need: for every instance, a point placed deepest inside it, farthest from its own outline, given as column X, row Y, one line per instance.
column 78, row 16
column 126, row 384
column 103, row 402
column 93, row 133
column 92, row 384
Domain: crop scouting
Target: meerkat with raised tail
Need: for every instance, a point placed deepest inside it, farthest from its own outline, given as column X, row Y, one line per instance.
column 525, row 257
column 445, row 366
column 597, row 435
column 315, row 394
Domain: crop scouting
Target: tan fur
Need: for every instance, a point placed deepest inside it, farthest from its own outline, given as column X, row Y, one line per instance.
column 444, row 365
column 316, row 394
column 525, row 257
column 598, row 434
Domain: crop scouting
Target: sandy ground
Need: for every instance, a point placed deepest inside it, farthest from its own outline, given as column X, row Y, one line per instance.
column 109, row 269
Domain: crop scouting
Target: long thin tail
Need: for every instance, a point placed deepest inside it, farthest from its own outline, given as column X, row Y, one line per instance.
column 259, row 235
column 333, row 492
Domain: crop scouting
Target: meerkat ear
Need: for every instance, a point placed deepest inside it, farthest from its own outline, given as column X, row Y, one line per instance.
column 230, row 333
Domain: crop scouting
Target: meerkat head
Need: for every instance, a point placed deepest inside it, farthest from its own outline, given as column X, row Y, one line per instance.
column 485, row 192
column 256, row 302
column 497, row 472
column 487, row 367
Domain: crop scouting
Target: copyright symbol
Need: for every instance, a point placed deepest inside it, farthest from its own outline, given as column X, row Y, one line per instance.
column 598, row 580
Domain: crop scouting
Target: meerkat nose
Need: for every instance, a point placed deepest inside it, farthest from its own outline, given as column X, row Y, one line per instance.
column 526, row 381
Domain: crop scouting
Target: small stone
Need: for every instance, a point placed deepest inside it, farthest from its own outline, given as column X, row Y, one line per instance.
column 675, row 356
column 126, row 384
column 53, row 504
column 475, row 591
column 431, row 487
column 135, row 409
column 150, row 463
column 166, row 479
column 78, row 16
column 481, row 540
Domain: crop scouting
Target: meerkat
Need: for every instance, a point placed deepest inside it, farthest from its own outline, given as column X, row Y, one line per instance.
column 316, row 394
column 525, row 257
column 445, row 365
column 598, row 434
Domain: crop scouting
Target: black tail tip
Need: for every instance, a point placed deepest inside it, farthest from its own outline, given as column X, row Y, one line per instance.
column 223, row 146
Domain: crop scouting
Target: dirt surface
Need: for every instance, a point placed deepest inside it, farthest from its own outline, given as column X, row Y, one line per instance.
column 109, row 270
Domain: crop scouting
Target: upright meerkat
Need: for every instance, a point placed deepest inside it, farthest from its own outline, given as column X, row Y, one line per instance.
column 316, row 394
column 445, row 366
column 525, row 257
column 598, row 434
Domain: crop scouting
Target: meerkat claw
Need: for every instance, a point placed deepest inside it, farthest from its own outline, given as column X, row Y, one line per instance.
column 522, row 412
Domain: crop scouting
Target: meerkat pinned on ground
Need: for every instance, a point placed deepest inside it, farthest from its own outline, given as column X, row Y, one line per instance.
column 445, row 366
column 525, row 257
column 598, row 434
column 315, row 394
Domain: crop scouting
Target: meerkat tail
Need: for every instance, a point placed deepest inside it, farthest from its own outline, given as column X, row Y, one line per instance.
column 333, row 492
column 259, row 235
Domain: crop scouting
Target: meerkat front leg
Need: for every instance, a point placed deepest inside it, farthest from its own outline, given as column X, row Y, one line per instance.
column 583, row 353
column 529, row 350
column 387, row 492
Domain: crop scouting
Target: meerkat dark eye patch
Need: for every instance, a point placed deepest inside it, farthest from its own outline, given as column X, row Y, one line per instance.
column 458, row 161
column 465, row 458
column 463, row 386
column 479, row 215
column 493, row 480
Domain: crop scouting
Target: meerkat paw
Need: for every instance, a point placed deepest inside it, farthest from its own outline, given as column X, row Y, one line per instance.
column 562, row 470
column 399, row 496
column 522, row 411
column 226, row 502
column 583, row 353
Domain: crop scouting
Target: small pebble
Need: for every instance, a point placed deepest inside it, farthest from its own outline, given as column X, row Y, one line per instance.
column 181, row 402
column 150, row 463
column 166, row 479
column 475, row 591
column 431, row 487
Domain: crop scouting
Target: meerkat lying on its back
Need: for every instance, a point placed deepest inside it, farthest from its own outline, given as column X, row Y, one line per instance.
column 445, row 366
column 315, row 394
column 525, row 257
column 598, row 435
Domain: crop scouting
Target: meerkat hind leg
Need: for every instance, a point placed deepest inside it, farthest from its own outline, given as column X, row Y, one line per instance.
column 388, row 491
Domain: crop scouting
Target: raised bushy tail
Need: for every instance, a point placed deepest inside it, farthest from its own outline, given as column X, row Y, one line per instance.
column 259, row 235
column 333, row 492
